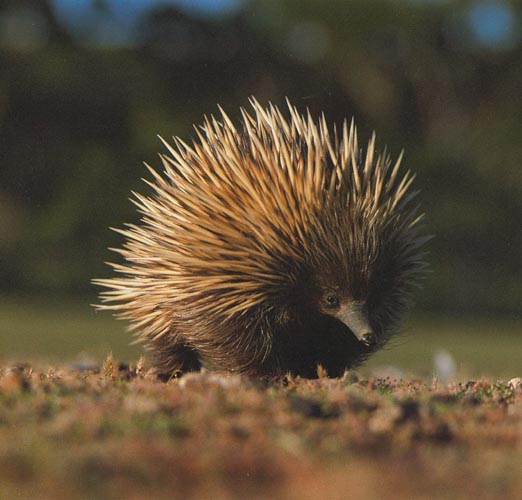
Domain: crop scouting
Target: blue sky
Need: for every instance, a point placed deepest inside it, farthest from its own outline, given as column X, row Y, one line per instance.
column 490, row 23
column 114, row 21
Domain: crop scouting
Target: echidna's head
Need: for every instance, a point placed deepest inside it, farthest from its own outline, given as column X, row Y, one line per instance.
column 268, row 243
column 332, row 297
column 355, row 275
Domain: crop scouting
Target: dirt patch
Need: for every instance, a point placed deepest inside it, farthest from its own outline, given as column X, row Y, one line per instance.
column 118, row 432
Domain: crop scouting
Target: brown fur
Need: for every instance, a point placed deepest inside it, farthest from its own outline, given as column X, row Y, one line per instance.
column 246, row 234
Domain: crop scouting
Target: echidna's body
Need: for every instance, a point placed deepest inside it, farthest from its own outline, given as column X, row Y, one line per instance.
column 270, row 248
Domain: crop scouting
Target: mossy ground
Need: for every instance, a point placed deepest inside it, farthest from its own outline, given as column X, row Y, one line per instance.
column 118, row 432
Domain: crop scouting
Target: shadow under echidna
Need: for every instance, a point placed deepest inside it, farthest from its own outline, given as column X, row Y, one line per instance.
column 267, row 248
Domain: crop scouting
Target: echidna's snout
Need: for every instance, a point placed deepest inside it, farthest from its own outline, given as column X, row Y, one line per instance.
column 355, row 317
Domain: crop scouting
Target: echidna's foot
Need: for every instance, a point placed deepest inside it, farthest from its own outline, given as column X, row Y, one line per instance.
column 176, row 361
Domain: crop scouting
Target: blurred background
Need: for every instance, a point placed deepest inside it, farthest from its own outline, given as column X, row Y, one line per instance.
column 86, row 86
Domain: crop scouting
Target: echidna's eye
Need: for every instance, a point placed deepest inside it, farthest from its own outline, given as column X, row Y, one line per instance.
column 332, row 300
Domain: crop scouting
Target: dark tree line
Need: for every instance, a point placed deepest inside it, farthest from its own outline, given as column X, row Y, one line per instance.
column 78, row 115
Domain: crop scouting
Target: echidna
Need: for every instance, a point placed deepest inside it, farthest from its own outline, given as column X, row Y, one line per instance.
column 274, row 247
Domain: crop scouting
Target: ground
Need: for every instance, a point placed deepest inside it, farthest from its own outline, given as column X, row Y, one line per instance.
column 116, row 431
